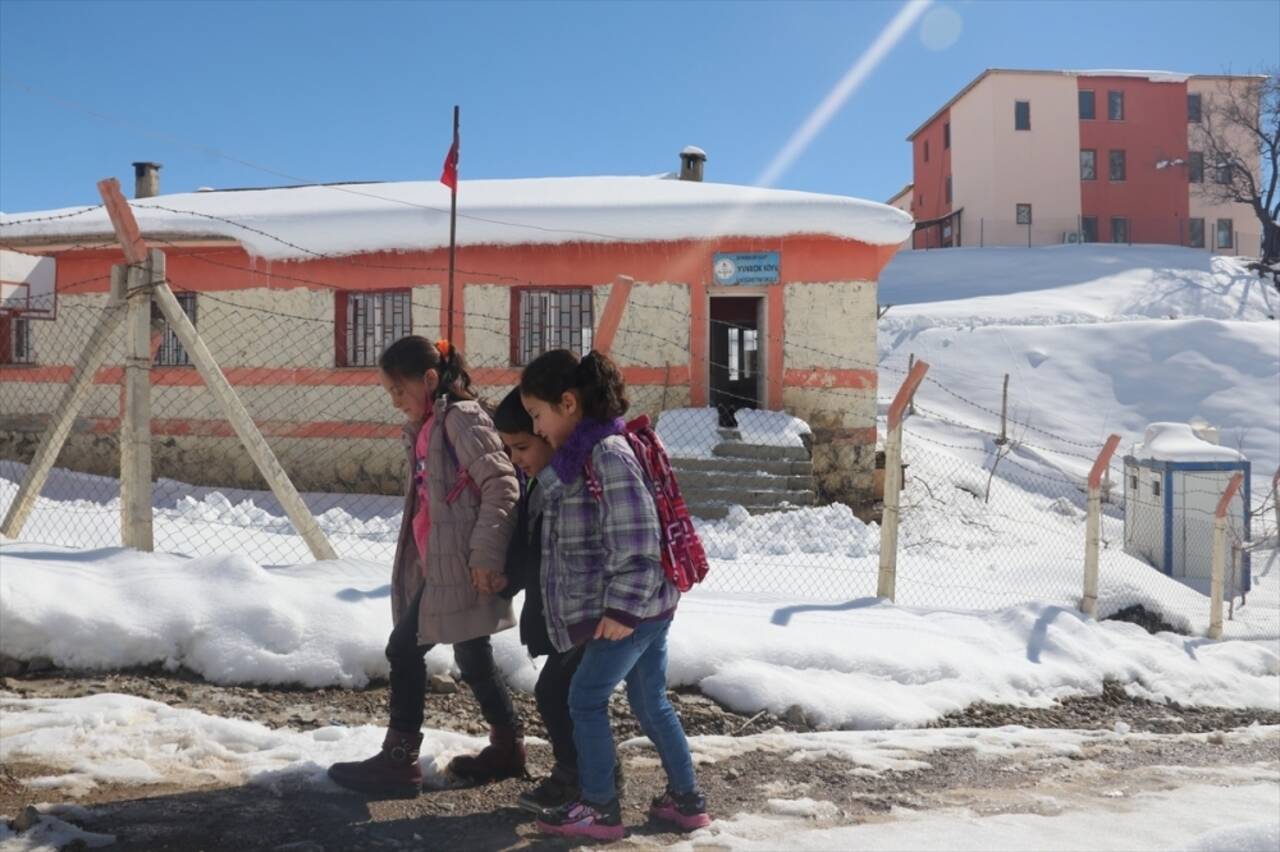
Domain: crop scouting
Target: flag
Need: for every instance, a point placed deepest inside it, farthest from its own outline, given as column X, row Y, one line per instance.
column 449, row 177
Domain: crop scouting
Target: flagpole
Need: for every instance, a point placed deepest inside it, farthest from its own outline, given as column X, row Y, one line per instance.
column 453, row 227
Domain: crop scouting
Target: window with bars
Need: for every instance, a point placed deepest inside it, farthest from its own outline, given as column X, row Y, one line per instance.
column 1086, row 104
column 1196, row 233
column 171, row 353
column 1116, row 165
column 744, row 353
column 1226, row 233
column 15, row 341
column 1193, row 109
column 1195, row 167
column 551, row 319
column 367, row 323
column 1115, row 106
column 1088, row 164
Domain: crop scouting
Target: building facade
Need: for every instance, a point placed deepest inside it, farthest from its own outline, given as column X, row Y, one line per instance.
column 706, row 295
column 1045, row 157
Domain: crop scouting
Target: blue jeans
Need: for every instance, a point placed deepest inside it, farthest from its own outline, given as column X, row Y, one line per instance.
column 641, row 660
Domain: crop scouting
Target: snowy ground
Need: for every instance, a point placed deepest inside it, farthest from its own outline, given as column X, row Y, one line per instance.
column 1004, row 788
column 1095, row 338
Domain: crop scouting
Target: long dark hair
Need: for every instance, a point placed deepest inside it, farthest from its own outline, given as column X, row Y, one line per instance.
column 595, row 379
column 410, row 358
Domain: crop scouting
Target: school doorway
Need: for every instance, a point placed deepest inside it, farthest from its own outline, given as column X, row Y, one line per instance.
column 735, row 355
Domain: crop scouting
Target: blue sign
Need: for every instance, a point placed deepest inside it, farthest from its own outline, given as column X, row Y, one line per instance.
column 746, row 267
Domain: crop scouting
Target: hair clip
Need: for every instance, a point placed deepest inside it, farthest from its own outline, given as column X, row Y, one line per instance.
column 443, row 347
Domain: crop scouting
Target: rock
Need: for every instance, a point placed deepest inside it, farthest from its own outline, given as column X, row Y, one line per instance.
column 27, row 820
column 1218, row 738
column 10, row 666
column 1122, row 728
column 39, row 664
column 443, row 684
column 299, row 846
column 732, row 774
column 795, row 715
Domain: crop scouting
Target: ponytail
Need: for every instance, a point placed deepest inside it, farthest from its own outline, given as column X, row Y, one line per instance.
column 411, row 357
column 595, row 379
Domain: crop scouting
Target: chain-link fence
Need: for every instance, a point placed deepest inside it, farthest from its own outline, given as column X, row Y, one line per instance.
column 991, row 518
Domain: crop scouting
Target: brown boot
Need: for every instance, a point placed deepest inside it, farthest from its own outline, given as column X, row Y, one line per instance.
column 503, row 757
column 394, row 771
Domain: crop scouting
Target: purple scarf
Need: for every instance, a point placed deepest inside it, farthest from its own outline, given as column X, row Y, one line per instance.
column 569, row 460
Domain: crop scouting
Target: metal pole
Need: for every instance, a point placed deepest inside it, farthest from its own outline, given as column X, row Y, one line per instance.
column 1004, row 413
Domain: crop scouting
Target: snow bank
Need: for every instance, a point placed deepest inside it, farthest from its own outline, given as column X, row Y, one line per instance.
column 1261, row 836
column 405, row 216
column 49, row 834
column 694, row 433
column 119, row 739
column 1178, row 442
column 858, row 664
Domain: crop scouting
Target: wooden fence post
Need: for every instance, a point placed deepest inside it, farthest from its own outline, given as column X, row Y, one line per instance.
column 886, row 582
column 1220, row 556
column 135, row 426
column 1093, row 527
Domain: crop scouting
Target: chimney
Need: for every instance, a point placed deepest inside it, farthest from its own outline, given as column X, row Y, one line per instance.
column 691, row 160
column 146, row 177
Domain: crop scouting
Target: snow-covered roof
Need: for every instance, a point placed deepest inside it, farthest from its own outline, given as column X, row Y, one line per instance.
column 1178, row 442
column 295, row 223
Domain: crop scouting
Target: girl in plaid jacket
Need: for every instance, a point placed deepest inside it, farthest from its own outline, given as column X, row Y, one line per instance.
column 603, row 585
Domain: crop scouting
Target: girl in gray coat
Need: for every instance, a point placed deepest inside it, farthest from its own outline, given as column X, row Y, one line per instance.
column 459, row 513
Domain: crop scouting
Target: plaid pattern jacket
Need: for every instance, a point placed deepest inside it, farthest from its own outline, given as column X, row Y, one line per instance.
column 601, row 556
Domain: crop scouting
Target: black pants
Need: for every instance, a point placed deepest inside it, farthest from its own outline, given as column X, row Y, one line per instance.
column 552, row 693
column 409, row 676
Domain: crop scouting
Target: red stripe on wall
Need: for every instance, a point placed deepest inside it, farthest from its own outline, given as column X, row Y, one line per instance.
column 822, row 378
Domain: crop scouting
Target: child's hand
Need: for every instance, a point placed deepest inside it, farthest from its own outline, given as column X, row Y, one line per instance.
column 612, row 630
column 487, row 582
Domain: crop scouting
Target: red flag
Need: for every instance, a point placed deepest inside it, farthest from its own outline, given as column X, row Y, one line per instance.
column 449, row 177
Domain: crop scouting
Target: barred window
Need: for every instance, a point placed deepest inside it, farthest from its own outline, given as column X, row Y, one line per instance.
column 15, row 334
column 551, row 319
column 370, row 322
column 171, row 353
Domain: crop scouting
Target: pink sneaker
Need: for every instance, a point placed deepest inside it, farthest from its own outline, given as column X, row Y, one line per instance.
column 686, row 810
column 583, row 819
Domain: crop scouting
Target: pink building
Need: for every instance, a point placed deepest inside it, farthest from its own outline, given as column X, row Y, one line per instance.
column 1042, row 157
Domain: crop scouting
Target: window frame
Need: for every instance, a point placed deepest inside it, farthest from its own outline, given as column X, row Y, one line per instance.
column 1192, row 242
column 1195, row 167
column 1094, row 166
column 1195, row 116
column 1017, row 115
column 926, row 150
column 171, row 352
column 10, row 337
column 1124, row 220
column 1231, row 232
column 1114, row 95
column 521, row 353
column 1085, row 222
column 1111, row 165
column 349, row 353
column 1093, row 105
column 946, row 135
column 1222, row 174
column 948, row 189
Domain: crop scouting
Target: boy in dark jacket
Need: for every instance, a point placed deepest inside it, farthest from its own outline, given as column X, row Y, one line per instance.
column 530, row 454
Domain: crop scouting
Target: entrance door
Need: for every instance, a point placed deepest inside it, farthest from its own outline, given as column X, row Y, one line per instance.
column 735, row 355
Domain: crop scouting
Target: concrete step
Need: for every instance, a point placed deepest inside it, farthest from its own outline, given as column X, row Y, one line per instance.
column 735, row 465
column 739, row 450
column 720, row 511
column 756, row 497
column 753, row 481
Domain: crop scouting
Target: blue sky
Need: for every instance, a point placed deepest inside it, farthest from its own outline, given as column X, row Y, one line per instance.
column 331, row 91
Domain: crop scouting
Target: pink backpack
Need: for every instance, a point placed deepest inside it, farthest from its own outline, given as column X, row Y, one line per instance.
column 683, row 559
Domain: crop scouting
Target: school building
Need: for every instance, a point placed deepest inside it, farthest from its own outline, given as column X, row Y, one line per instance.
column 706, row 294
column 1020, row 157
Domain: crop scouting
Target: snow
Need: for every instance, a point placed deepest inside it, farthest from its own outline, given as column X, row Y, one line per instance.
column 120, row 739
column 1177, row 442
column 49, row 835
column 804, row 807
column 693, row 151
column 1159, row 820
column 858, row 664
column 414, row 215
column 1095, row 339
column 1153, row 76
column 1262, row 836
column 694, row 432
